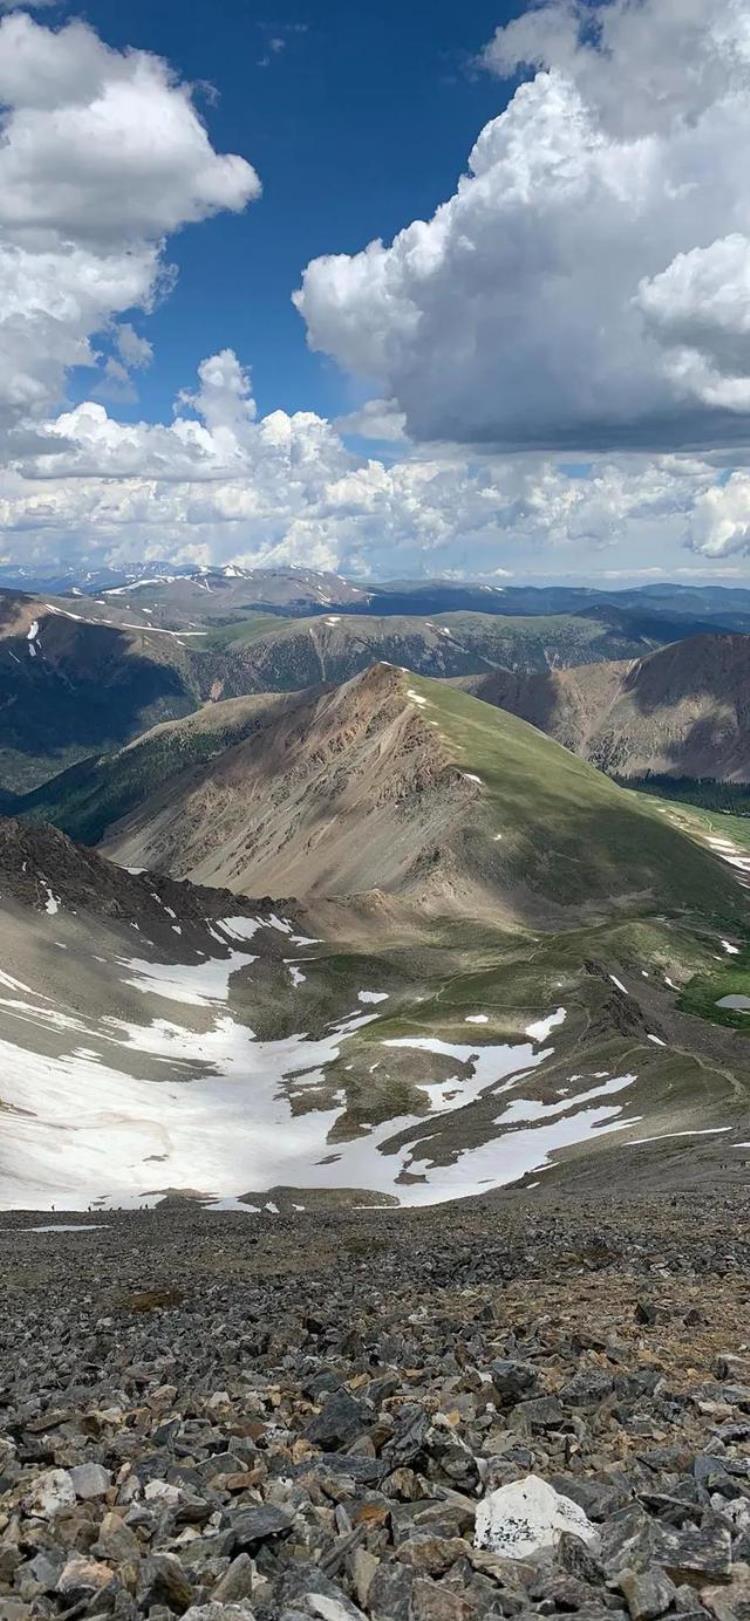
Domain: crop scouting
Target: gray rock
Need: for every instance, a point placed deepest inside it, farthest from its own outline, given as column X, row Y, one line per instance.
column 116, row 1541
column 696, row 1554
column 237, row 1581
column 588, row 1388
column 541, row 1413
column 433, row 1601
column 408, row 1444
column 390, row 1596
column 90, row 1480
column 338, row 1422
column 578, row 1560
column 514, row 1380
column 219, row 1612
column 166, row 1582
column 257, row 1525
column 308, row 1592
column 648, row 1594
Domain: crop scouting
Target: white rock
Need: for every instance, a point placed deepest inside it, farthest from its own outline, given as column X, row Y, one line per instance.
column 163, row 1491
column 52, row 1492
column 219, row 1612
column 524, row 1518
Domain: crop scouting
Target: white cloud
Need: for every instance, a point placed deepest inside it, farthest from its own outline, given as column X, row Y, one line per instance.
column 641, row 65
column 379, row 420
column 584, row 285
column 221, row 484
column 484, row 324
column 135, row 351
column 720, row 523
column 699, row 308
column 103, row 154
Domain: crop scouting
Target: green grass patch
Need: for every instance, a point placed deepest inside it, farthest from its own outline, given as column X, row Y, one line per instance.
column 243, row 632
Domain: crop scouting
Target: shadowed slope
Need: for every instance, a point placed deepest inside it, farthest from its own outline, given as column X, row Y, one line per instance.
column 683, row 711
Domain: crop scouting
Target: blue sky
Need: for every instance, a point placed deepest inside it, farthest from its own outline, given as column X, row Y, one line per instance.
column 359, row 124
column 549, row 327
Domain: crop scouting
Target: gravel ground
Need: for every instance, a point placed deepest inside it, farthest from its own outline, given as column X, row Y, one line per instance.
column 499, row 1409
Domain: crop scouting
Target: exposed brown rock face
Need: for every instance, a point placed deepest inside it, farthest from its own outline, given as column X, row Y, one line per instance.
column 350, row 791
column 682, row 711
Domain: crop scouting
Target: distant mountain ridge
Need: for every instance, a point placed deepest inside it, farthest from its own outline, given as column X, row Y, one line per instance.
column 477, row 913
column 80, row 676
column 682, row 711
column 299, row 590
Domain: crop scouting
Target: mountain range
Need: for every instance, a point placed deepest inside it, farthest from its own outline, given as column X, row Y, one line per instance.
column 381, row 928
column 81, row 675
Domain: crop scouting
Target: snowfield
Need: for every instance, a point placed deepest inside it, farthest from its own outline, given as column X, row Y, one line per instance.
column 109, row 1112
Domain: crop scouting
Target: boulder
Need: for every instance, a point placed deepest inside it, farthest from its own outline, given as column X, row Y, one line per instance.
column 523, row 1519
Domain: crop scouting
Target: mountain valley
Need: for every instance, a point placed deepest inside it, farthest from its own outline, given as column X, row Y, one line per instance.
column 356, row 930
column 375, row 811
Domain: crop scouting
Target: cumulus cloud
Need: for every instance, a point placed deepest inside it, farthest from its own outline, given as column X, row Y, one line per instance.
column 720, row 521
column 641, row 66
column 583, row 287
column 103, row 154
column 557, row 288
column 221, row 483
column 380, row 420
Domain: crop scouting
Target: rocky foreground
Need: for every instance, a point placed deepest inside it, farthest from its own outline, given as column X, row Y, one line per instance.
column 458, row 1415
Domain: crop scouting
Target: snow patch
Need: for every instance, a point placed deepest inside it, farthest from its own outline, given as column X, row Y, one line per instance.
column 70, row 1227
column 708, row 1131
column 540, row 1030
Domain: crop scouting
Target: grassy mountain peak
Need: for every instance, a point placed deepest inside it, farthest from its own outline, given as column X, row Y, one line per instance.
column 398, row 783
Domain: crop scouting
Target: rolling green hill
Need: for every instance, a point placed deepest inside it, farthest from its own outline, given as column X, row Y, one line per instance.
column 296, row 653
